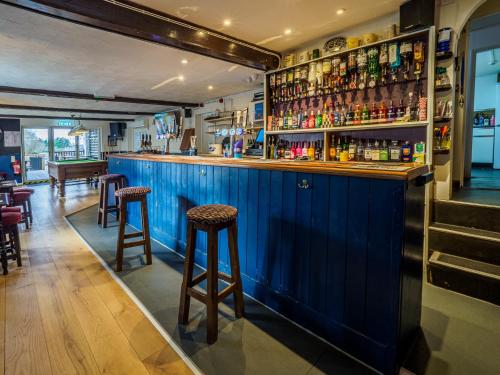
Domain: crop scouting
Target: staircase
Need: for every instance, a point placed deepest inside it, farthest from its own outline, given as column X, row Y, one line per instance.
column 464, row 249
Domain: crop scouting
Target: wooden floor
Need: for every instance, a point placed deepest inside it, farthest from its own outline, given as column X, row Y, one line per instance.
column 62, row 313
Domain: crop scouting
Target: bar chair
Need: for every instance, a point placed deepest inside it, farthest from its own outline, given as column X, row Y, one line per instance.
column 105, row 181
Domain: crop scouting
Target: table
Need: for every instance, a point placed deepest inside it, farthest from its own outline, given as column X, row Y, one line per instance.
column 62, row 171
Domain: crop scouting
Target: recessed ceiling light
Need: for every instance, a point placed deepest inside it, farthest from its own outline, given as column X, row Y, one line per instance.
column 227, row 22
column 184, row 61
column 180, row 78
column 210, row 87
column 287, row 31
column 340, row 11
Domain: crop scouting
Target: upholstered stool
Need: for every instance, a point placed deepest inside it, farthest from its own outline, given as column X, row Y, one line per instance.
column 211, row 219
column 127, row 195
column 24, row 189
column 22, row 199
column 105, row 182
column 10, row 236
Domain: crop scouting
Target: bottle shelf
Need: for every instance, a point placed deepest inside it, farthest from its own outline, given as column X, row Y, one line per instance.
column 441, row 56
column 337, row 129
column 441, row 151
column 442, row 88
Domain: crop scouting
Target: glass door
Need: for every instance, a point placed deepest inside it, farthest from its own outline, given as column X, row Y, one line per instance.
column 65, row 146
column 35, row 153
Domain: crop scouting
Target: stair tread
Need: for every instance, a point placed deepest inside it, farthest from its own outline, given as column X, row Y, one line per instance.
column 466, row 231
column 465, row 264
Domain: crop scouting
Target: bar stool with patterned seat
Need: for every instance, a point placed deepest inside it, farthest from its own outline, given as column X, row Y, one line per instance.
column 105, row 182
column 127, row 195
column 211, row 219
column 10, row 243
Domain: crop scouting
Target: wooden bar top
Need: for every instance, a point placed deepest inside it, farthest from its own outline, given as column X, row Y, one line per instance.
column 393, row 171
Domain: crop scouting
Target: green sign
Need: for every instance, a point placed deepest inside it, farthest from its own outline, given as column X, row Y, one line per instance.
column 65, row 123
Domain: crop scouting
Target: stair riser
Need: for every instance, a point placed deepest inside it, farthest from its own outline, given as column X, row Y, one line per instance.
column 465, row 246
column 470, row 284
column 480, row 217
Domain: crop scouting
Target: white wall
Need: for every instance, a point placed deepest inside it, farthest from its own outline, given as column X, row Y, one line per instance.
column 485, row 92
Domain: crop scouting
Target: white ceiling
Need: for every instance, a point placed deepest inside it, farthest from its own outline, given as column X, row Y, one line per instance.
column 264, row 21
column 483, row 66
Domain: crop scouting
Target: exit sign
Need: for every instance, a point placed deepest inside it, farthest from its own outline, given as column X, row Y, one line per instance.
column 65, row 123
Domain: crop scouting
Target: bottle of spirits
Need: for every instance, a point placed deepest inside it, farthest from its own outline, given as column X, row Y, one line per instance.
column 376, row 151
column 384, row 151
column 338, row 150
column 391, row 113
column 293, row 151
column 352, row 150
column 336, row 115
column 290, row 119
column 406, row 154
column 343, row 115
column 360, row 151
column 312, row 120
column 310, row 151
column 276, row 149
column 400, row 111
column 305, row 121
column 357, row 115
column 319, row 120
column 365, row 114
column 382, row 113
column 350, row 117
column 395, row 152
column 332, row 150
column 317, row 151
column 281, row 124
column 295, row 120
column 331, row 117
column 288, row 151
column 374, row 114
column 305, row 146
column 368, row 151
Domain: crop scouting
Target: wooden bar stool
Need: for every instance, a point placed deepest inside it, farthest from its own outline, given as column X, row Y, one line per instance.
column 9, row 232
column 211, row 219
column 105, row 182
column 127, row 195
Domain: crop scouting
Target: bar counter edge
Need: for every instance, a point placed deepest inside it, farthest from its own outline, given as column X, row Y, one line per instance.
column 338, row 252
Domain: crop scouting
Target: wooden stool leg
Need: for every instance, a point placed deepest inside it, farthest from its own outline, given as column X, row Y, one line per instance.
column 101, row 196
column 17, row 245
column 121, row 236
column 212, row 286
column 25, row 215
column 117, row 202
column 188, row 274
column 30, row 212
column 105, row 205
column 145, row 230
column 235, row 269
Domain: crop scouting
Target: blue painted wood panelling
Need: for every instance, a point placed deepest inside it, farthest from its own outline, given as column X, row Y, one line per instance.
column 327, row 257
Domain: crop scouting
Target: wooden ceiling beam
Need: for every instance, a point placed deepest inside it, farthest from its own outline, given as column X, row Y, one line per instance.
column 74, row 95
column 68, row 118
column 75, row 110
column 130, row 19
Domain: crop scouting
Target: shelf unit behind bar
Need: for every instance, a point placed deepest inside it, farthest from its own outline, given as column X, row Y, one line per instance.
column 430, row 35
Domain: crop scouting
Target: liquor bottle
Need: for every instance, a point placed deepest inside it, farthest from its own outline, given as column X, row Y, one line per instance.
column 276, row 150
column 368, row 151
column 332, row 149
column 400, row 112
column 285, row 121
column 277, row 88
column 351, row 68
column 319, row 78
column 304, row 83
column 349, row 120
column 317, row 151
column 272, row 87
column 376, row 151
column 365, row 114
column 281, row 120
column 336, row 115
column 335, row 76
column 373, row 66
column 362, row 62
column 406, row 53
column 391, row 113
column 357, row 116
column 283, row 86
column 374, row 114
column 290, row 119
column 406, row 153
column 298, row 150
column 327, row 71
column 338, row 150
column 318, row 122
column 360, row 152
column 304, row 149
column 382, row 113
column 289, row 85
column 343, row 75
column 395, row 152
column 383, row 61
column 384, row 151
column 394, row 60
column 331, row 116
column 325, row 120
column 419, row 153
column 310, row 151
column 312, row 120
column 311, row 79
column 418, row 58
column 293, row 151
column 352, row 150
column 288, row 151
column 270, row 148
column 296, row 84
column 305, row 120
column 295, row 120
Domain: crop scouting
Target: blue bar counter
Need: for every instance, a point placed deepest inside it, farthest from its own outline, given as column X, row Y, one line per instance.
column 337, row 248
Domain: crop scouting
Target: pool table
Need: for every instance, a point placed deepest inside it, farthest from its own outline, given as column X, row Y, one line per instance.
column 61, row 171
